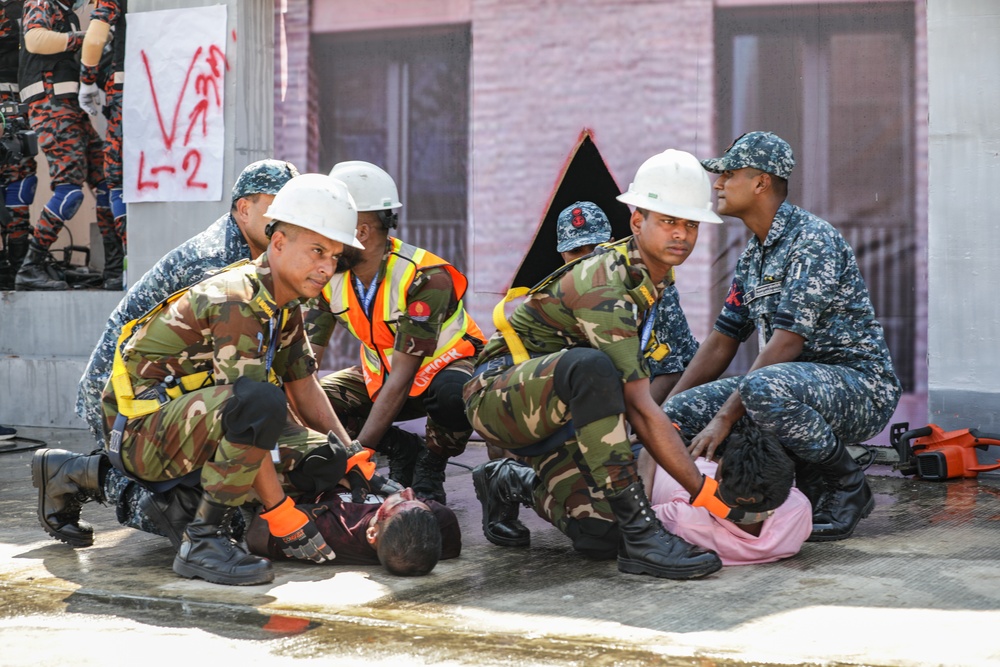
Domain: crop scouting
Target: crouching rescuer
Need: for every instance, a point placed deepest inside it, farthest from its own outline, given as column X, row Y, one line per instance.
column 200, row 388
column 559, row 380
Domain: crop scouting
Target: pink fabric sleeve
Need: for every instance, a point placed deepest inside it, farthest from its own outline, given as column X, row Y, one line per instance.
column 781, row 536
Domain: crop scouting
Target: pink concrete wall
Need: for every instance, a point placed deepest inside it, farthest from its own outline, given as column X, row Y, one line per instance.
column 639, row 74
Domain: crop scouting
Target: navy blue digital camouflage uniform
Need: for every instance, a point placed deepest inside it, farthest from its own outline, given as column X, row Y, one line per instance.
column 669, row 329
column 220, row 245
column 803, row 278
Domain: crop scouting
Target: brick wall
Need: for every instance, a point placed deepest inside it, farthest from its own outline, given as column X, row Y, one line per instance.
column 639, row 74
column 292, row 140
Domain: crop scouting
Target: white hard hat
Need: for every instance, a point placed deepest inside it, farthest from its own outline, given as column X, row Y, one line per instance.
column 672, row 183
column 318, row 203
column 372, row 188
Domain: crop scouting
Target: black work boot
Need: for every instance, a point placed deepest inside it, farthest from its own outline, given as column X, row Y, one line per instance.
column 501, row 486
column 208, row 551
column 114, row 264
column 846, row 500
column 11, row 259
column 647, row 547
column 172, row 511
column 65, row 480
column 35, row 273
column 428, row 476
column 809, row 480
column 403, row 448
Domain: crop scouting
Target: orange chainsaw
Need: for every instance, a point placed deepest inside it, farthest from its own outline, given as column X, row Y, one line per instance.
column 935, row 454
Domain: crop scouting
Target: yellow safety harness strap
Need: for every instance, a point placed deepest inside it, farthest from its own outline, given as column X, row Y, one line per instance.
column 128, row 404
column 514, row 344
column 642, row 294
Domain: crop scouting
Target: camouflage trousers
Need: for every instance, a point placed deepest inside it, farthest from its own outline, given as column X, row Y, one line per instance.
column 808, row 407
column 346, row 391
column 566, row 493
column 187, row 434
column 14, row 172
column 113, row 141
column 113, row 161
column 519, row 406
column 74, row 152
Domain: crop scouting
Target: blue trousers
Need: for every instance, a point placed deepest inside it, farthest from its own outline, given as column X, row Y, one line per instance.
column 809, row 407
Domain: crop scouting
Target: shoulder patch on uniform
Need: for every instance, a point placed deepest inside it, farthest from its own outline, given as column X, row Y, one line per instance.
column 418, row 311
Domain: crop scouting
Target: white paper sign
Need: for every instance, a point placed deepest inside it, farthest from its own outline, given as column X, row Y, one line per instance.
column 172, row 122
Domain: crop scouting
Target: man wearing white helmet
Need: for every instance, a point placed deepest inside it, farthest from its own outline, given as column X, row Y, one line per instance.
column 199, row 390
column 418, row 344
column 560, row 380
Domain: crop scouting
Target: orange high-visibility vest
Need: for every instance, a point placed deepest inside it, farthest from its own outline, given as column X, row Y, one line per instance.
column 377, row 335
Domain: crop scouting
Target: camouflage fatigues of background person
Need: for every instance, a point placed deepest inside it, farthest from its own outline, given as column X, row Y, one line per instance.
column 564, row 490
column 109, row 12
column 418, row 336
column 13, row 175
column 805, row 279
column 72, row 148
column 222, row 325
column 589, row 305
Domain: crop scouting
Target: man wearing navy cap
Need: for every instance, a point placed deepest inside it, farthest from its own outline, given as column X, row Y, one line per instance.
column 580, row 228
column 823, row 378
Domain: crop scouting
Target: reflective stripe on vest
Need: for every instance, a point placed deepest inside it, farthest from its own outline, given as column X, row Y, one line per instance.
column 376, row 336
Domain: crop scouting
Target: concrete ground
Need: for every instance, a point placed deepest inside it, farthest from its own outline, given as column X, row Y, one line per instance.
column 918, row 584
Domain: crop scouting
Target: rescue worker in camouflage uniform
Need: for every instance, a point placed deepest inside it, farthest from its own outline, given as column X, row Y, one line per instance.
column 202, row 384
column 49, row 77
column 418, row 343
column 823, row 378
column 559, row 380
column 17, row 177
column 65, row 478
column 668, row 347
column 107, row 23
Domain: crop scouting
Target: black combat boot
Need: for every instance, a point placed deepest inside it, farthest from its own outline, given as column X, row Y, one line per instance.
column 208, row 551
column 428, row 476
column 501, row 486
column 36, row 273
column 7, row 272
column 16, row 251
column 114, row 264
column 646, row 546
column 172, row 511
column 846, row 500
column 65, row 481
column 809, row 480
column 403, row 448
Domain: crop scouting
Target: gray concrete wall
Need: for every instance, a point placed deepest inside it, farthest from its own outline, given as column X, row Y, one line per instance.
column 964, row 320
column 155, row 228
column 46, row 338
column 45, row 342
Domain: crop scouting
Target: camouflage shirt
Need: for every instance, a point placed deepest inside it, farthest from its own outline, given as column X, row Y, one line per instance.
column 599, row 302
column 418, row 335
column 44, row 14
column 227, row 325
column 671, row 346
column 220, row 245
column 805, row 279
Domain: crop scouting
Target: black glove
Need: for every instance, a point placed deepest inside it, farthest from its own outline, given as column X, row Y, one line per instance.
column 362, row 487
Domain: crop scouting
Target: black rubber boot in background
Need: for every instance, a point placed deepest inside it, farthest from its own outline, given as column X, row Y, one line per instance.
column 65, row 480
